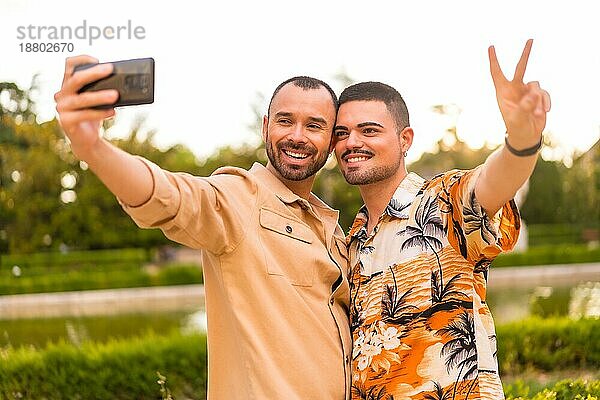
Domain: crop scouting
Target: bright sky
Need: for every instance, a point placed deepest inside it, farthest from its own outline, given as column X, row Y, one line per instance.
column 213, row 58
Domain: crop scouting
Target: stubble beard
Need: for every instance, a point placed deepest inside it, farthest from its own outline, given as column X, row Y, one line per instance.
column 295, row 172
column 372, row 175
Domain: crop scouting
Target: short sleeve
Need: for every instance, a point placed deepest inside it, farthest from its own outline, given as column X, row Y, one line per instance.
column 470, row 231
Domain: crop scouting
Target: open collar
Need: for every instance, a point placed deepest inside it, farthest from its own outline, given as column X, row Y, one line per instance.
column 398, row 207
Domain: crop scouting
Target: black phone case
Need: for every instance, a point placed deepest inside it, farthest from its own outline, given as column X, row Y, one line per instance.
column 133, row 79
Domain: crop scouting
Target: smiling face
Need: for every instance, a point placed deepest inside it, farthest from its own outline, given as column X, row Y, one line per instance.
column 297, row 132
column 367, row 145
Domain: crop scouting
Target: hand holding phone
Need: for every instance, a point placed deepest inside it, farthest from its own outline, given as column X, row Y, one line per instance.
column 133, row 79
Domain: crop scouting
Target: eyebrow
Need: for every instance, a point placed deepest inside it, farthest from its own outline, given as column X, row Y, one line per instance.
column 361, row 125
column 319, row 120
column 312, row 119
column 283, row 114
column 369, row 123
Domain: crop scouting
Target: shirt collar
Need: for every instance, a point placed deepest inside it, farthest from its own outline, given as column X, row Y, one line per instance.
column 276, row 185
column 398, row 207
column 287, row 196
column 399, row 204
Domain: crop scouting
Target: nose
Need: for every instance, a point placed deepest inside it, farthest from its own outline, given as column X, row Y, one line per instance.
column 298, row 135
column 354, row 141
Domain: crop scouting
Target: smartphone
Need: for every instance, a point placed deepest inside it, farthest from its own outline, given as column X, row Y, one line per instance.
column 133, row 79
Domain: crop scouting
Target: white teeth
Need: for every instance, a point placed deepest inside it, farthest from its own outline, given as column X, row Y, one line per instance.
column 295, row 155
column 356, row 159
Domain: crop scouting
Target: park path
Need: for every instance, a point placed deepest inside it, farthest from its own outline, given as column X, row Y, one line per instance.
column 102, row 302
column 184, row 297
column 557, row 275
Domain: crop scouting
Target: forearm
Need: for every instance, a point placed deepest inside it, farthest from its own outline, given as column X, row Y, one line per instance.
column 523, row 107
column 502, row 174
column 123, row 174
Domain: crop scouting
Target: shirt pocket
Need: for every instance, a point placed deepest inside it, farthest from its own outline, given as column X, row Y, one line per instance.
column 287, row 245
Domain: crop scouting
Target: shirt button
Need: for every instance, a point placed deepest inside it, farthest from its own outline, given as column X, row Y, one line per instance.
column 347, row 360
column 331, row 301
column 288, row 229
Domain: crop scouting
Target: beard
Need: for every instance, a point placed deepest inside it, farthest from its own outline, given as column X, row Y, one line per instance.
column 372, row 175
column 295, row 172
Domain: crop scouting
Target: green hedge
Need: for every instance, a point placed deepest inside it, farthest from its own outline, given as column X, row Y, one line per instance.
column 116, row 370
column 102, row 277
column 548, row 345
column 563, row 390
column 547, row 255
column 70, row 258
column 39, row 332
column 125, row 369
column 552, row 234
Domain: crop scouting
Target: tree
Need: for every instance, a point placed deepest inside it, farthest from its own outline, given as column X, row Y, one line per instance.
column 48, row 199
column 16, row 107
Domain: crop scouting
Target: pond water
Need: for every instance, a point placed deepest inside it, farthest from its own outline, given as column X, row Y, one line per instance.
column 544, row 292
column 512, row 304
column 508, row 302
column 38, row 332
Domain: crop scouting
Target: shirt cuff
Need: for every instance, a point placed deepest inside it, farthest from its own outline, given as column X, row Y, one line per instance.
column 162, row 204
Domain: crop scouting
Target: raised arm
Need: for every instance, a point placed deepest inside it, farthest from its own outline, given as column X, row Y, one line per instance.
column 523, row 107
column 122, row 173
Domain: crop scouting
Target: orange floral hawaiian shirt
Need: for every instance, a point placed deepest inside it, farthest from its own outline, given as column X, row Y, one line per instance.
column 419, row 320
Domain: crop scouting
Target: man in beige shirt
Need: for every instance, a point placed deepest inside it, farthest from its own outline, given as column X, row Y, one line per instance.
column 274, row 258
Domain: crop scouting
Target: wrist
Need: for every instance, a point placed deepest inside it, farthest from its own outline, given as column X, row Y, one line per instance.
column 523, row 149
column 87, row 151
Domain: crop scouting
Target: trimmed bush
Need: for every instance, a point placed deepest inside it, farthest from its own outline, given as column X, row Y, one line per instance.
column 552, row 234
column 178, row 274
column 548, row 255
column 123, row 369
column 563, row 390
column 101, row 277
column 549, row 345
column 126, row 369
column 70, row 258
column 40, row 332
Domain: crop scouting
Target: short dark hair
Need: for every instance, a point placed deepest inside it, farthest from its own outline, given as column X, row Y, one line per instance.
column 377, row 91
column 306, row 83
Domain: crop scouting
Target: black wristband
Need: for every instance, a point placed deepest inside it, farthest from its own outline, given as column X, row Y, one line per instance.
column 525, row 152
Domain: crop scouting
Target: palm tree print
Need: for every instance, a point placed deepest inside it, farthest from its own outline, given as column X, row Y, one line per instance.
column 476, row 219
column 439, row 393
column 482, row 266
column 456, row 228
column 392, row 306
column 372, row 393
column 460, row 351
column 407, row 329
column 439, row 291
column 426, row 234
column 493, row 340
column 356, row 315
column 365, row 249
column 395, row 209
column 427, row 230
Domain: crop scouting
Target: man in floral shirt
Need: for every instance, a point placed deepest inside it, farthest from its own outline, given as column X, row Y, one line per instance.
column 419, row 250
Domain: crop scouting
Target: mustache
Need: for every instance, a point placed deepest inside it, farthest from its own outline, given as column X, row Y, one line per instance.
column 297, row 147
column 349, row 152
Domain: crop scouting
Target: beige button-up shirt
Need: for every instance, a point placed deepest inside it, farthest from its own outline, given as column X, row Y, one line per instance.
column 275, row 272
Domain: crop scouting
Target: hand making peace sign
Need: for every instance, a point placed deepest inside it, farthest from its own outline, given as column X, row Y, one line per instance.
column 523, row 105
